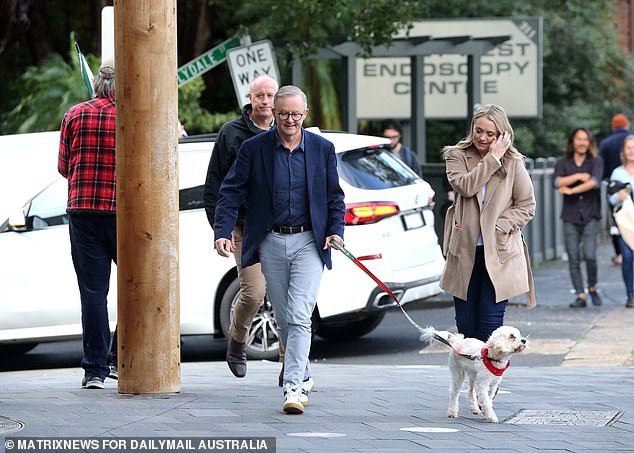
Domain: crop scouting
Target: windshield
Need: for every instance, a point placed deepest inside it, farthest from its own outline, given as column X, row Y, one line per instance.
column 374, row 169
column 47, row 208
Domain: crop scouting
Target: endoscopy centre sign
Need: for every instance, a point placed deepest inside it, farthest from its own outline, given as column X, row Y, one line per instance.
column 511, row 74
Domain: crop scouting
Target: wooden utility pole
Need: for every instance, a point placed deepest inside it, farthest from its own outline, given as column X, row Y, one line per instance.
column 147, row 196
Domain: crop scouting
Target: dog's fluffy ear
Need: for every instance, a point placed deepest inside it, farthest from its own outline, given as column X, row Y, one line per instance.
column 503, row 341
column 499, row 343
column 493, row 344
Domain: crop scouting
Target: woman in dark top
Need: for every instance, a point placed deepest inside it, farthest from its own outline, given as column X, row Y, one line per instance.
column 578, row 178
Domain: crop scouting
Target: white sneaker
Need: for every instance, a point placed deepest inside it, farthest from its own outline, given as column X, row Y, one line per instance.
column 307, row 386
column 303, row 398
column 293, row 400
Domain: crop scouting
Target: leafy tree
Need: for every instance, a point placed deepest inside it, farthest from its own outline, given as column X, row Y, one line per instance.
column 194, row 117
column 308, row 25
column 53, row 87
column 47, row 92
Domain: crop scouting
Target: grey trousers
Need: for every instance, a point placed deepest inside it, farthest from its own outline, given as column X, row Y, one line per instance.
column 292, row 267
column 581, row 244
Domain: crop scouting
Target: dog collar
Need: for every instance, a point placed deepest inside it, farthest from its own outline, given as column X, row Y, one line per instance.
column 487, row 363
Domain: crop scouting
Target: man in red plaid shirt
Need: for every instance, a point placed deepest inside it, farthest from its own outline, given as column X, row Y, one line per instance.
column 87, row 160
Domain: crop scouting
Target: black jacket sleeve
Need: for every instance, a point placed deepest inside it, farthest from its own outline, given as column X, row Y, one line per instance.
column 219, row 165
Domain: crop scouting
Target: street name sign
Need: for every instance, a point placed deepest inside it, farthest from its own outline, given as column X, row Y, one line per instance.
column 205, row 62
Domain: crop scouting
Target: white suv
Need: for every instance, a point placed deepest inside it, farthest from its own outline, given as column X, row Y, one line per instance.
column 389, row 225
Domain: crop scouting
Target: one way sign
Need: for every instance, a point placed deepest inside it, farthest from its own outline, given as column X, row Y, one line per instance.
column 248, row 62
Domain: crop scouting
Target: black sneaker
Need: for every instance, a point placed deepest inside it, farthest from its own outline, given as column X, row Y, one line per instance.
column 92, row 382
column 114, row 372
column 630, row 302
column 578, row 303
column 596, row 299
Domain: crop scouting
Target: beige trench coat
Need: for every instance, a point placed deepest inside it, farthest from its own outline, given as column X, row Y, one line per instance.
column 509, row 204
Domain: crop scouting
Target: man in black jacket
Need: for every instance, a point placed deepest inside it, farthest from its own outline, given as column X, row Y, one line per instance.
column 610, row 151
column 257, row 116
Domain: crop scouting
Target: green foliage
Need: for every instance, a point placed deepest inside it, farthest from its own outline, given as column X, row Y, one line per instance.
column 194, row 117
column 46, row 92
column 305, row 26
column 322, row 95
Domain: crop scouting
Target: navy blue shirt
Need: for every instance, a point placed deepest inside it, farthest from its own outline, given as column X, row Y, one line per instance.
column 290, row 203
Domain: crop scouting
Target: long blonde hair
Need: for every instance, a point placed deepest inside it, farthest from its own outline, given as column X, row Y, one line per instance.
column 627, row 139
column 495, row 113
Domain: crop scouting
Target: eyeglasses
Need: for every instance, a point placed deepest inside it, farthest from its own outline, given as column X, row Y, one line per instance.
column 393, row 137
column 295, row 115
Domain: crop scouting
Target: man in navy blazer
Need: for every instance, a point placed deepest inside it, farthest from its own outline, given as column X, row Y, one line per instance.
column 288, row 177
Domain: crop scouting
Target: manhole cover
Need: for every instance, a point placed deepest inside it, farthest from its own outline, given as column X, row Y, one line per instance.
column 573, row 418
column 8, row 426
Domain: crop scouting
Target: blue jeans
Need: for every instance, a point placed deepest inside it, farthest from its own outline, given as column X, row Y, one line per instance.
column 627, row 268
column 292, row 267
column 479, row 315
column 581, row 244
column 93, row 244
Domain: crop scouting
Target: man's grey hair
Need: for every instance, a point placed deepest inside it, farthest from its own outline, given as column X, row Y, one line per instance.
column 103, row 83
column 259, row 79
column 288, row 91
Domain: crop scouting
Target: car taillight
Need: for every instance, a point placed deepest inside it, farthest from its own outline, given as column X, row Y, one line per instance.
column 372, row 212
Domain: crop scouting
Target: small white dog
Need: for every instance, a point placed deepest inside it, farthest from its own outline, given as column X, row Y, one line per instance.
column 483, row 363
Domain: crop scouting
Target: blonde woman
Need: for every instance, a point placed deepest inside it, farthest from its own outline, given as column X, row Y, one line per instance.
column 578, row 177
column 625, row 174
column 486, row 258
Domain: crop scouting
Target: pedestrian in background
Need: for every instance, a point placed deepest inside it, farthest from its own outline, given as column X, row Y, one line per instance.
column 181, row 132
column 392, row 130
column 625, row 174
column 578, row 177
column 257, row 117
column 610, row 151
column 87, row 160
column 289, row 179
column 487, row 259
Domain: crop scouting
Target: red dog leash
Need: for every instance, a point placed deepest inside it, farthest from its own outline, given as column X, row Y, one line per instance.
column 339, row 246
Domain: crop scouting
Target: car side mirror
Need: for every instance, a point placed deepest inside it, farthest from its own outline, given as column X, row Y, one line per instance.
column 17, row 222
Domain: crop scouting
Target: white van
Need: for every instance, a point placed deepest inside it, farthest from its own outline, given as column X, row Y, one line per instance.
column 389, row 224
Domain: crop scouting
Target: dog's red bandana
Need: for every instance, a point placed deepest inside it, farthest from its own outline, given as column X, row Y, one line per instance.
column 487, row 363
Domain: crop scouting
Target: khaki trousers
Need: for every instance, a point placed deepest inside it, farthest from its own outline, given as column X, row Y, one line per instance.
column 252, row 291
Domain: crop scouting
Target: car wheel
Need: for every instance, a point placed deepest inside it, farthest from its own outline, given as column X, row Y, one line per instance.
column 349, row 329
column 15, row 349
column 263, row 341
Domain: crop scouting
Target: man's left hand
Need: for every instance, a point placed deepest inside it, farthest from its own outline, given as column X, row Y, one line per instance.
column 329, row 240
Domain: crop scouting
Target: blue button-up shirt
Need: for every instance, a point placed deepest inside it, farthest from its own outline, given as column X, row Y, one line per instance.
column 291, row 189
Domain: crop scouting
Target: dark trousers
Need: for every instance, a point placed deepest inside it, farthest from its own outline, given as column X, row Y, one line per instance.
column 479, row 315
column 581, row 243
column 627, row 266
column 93, row 241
